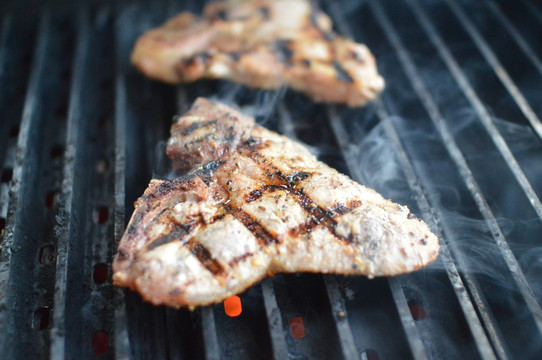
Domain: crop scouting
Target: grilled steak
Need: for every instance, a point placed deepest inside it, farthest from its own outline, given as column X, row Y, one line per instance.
column 263, row 44
column 253, row 203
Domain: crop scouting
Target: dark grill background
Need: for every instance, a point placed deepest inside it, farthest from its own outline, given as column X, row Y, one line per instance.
column 456, row 137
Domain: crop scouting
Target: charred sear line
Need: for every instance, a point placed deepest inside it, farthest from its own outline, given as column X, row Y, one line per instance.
column 177, row 233
column 253, row 196
column 294, row 178
column 264, row 10
column 240, row 258
column 318, row 215
column 263, row 236
column 342, row 75
column 321, row 217
column 235, row 56
column 207, row 170
column 342, row 209
column 205, row 258
column 197, row 125
column 250, row 146
column 202, row 58
column 222, row 15
column 284, row 52
column 122, row 254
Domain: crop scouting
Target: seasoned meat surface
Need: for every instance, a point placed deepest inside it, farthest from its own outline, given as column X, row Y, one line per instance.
column 264, row 44
column 253, row 203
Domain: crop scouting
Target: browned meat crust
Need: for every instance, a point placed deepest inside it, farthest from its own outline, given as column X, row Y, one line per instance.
column 256, row 202
column 263, row 44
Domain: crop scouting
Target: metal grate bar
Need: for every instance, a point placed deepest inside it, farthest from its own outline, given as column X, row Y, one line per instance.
column 7, row 118
column 63, row 244
column 274, row 319
column 454, row 151
column 6, row 31
column 9, row 163
column 16, row 47
column 496, row 65
column 411, row 331
column 208, row 324
column 453, row 274
column 533, row 9
column 429, row 216
column 340, row 316
column 122, row 340
column 6, row 159
column 475, row 326
column 336, row 301
column 479, row 107
column 473, row 187
column 522, row 43
column 413, row 335
column 30, row 117
column 210, row 340
column 82, row 288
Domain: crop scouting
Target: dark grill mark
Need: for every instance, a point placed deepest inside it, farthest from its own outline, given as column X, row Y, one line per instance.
column 189, row 61
column 283, row 51
column 322, row 217
column 203, row 58
column 265, row 12
column 177, row 233
column 222, row 15
column 176, row 292
column 196, row 142
column 342, row 209
column 296, row 177
column 207, row 170
column 205, row 258
column 250, row 146
column 357, row 56
column 238, row 259
column 263, row 236
column 317, row 215
column 329, row 36
column 197, row 125
column 342, row 75
column 254, row 195
column 122, row 254
column 235, row 56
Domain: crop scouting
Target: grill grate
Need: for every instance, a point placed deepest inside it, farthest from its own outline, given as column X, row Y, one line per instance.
column 456, row 136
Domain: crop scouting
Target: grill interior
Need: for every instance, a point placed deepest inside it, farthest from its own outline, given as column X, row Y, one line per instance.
column 455, row 136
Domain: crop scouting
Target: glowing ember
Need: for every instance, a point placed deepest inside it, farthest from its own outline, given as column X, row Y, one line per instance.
column 100, row 273
column 99, row 343
column 232, row 306
column 417, row 310
column 297, row 328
